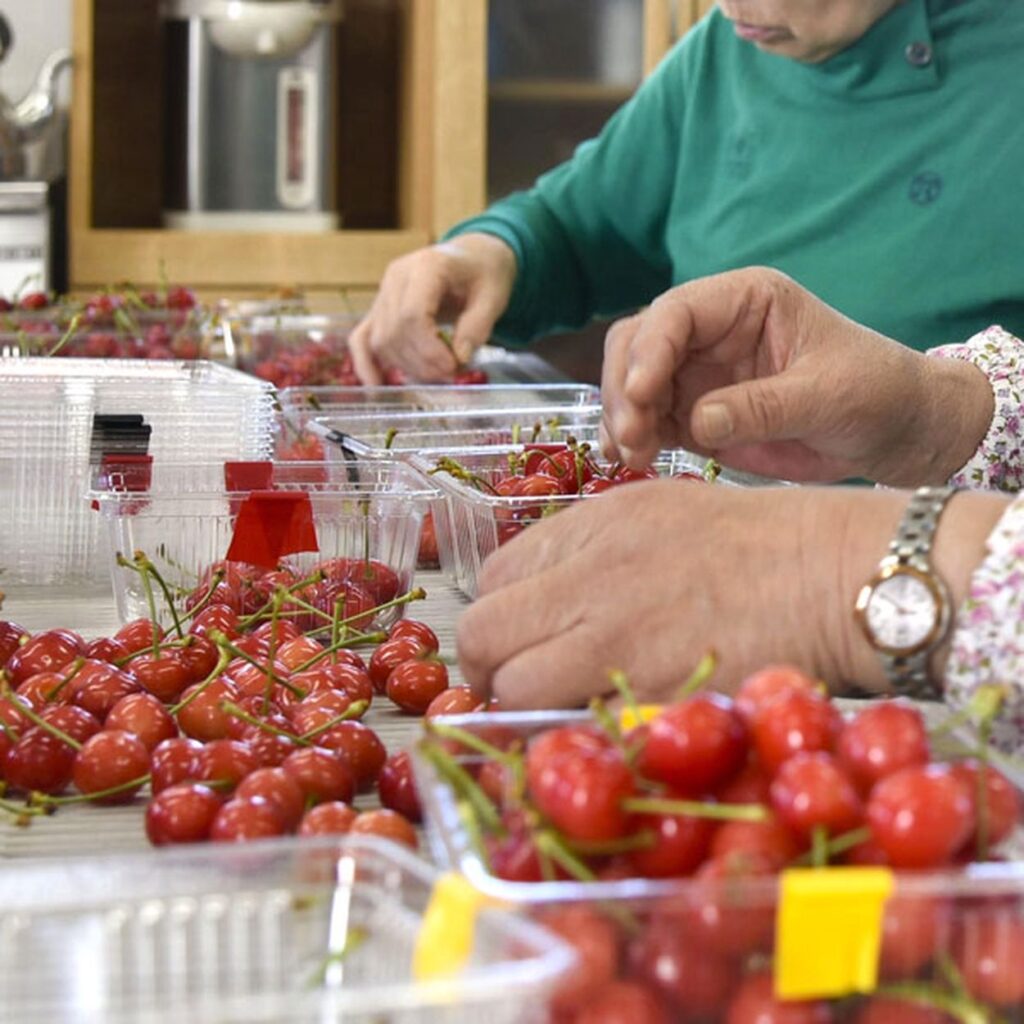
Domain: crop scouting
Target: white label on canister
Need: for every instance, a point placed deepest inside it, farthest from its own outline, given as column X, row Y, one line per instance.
column 297, row 115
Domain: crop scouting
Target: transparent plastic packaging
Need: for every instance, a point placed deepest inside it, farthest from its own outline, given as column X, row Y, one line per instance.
column 296, row 931
column 50, row 436
column 951, row 939
column 185, row 517
column 477, row 519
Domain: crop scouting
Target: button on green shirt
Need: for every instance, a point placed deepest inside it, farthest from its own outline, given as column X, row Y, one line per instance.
column 889, row 180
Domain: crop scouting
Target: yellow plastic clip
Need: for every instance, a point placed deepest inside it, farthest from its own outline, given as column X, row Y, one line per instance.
column 445, row 939
column 829, row 931
column 630, row 718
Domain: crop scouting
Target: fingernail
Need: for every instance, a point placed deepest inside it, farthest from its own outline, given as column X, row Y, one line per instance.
column 716, row 422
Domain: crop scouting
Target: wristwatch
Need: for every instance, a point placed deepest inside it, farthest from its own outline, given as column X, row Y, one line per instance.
column 905, row 608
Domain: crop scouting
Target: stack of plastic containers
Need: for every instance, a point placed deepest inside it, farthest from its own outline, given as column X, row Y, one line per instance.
column 194, row 411
column 280, row 931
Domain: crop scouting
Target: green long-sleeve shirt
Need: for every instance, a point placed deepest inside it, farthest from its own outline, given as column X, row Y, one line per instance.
column 889, row 180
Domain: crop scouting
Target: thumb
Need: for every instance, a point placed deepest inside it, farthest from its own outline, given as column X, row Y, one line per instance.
column 780, row 408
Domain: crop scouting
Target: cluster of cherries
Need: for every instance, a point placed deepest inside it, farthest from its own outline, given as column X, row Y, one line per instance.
column 729, row 792
column 324, row 359
column 122, row 323
column 242, row 721
column 531, row 483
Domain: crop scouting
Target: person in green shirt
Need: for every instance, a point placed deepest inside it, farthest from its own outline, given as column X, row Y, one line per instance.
column 870, row 149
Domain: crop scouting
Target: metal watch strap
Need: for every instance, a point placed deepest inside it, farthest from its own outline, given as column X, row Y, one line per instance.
column 912, row 546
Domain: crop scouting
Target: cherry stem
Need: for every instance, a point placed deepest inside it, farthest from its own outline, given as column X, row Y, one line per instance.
column 221, row 640
column 76, row 667
column 231, row 708
column 66, row 336
column 471, row 824
column 45, row 800
column 416, row 594
column 621, row 682
column 223, row 660
column 642, row 840
column 315, row 577
column 606, row 720
column 147, row 565
column 353, row 940
column 959, row 1007
column 696, row 809
column 471, row 740
column 355, row 710
column 36, row 719
column 819, row 846
column 215, row 581
column 351, row 641
column 22, row 813
column 837, row 845
column 704, row 670
column 147, row 586
column 480, row 804
column 275, row 611
column 712, row 471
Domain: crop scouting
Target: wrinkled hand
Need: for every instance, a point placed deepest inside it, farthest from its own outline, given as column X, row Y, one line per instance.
column 467, row 281
column 647, row 577
column 753, row 369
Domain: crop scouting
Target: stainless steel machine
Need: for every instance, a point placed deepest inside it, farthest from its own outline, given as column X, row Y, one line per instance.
column 250, row 114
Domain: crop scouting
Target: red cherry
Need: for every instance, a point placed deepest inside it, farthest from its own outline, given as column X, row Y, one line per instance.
column 165, row 676
column 914, row 930
column 385, row 824
column 770, row 840
column 225, row 762
column 764, row 686
column 138, row 635
column 173, row 761
column 794, row 722
column 680, row 844
column 219, row 617
column 456, row 700
column 390, row 655
column 280, row 789
column 881, row 739
column 414, row 684
column 755, row 1003
column 238, row 821
column 988, row 950
column 811, row 791
column 594, row 940
column 695, row 745
column 359, row 747
column 322, row 775
column 144, row 716
column 45, row 688
column 75, row 722
column 97, row 687
column 270, row 748
column 623, row 1002
column 181, row 814
column 418, row 631
column 11, row 635
column 44, row 652
column 333, row 818
column 203, row 717
column 106, row 649
column 109, row 760
column 199, row 657
column 696, row 981
column 397, row 787
column 38, row 761
column 920, row 816
column 995, row 801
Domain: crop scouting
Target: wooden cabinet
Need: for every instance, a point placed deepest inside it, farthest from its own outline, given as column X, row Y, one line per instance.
column 412, row 140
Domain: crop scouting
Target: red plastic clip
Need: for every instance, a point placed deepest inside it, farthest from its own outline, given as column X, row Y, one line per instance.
column 272, row 524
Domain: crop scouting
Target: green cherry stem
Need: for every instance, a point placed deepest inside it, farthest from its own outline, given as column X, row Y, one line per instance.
column 221, row 640
column 146, row 564
column 355, row 710
column 36, row 719
column 22, row 813
column 621, row 682
column 223, row 660
column 704, row 670
column 232, row 709
column 471, row 740
column 696, row 809
column 463, row 783
column 45, row 800
column 835, row 846
column 351, row 641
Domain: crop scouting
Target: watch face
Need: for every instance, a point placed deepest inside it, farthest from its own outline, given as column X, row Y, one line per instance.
column 902, row 612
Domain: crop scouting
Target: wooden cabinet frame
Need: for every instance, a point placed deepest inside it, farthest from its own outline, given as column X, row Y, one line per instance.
column 442, row 176
column 442, row 172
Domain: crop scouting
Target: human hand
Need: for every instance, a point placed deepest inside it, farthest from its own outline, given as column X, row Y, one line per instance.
column 467, row 280
column 753, row 369
column 761, row 576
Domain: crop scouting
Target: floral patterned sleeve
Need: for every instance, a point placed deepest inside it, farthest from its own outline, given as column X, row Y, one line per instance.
column 988, row 638
column 998, row 464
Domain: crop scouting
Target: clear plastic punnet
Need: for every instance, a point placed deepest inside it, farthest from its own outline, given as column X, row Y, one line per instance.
column 301, row 405
column 58, row 417
column 751, row 928
column 283, row 931
column 479, row 515
column 194, row 520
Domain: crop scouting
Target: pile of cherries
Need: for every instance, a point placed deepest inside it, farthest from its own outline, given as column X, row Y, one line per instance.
column 121, row 323
column 241, row 721
column 728, row 792
column 538, row 480
column 322, row 359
